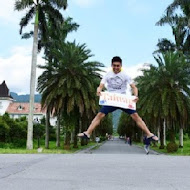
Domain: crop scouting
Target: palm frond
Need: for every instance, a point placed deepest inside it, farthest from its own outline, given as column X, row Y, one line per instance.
column 27, row 18
column 23, row 4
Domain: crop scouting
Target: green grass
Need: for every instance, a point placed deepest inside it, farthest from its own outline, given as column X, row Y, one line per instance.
column 185, row 151
column 10, row 149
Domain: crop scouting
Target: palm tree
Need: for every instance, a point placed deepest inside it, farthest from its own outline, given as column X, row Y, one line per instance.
column 106, row 126
column 181, row 35
column 72, row 80
column 44, row 12
column 165, row 45
column 165, row 91
column 180, row 24
column 182, row 4
column 55, row 37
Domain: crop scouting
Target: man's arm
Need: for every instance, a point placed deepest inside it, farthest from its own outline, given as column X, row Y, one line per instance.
column 135, row 91
column 99, row 89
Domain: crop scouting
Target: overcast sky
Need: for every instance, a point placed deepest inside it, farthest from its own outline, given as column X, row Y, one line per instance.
column 125, row 28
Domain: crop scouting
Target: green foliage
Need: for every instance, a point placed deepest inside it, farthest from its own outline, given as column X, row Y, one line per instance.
column 15, row 131
column 48, row 15
column 102, row 138
column 17, row 128
column 38, row 130
column 172, row 147
column 52, row 133
column 57, row 36
column 4, row 131
column 69, row 80
column 68, row 84
column 185, row 136
column 180, row 27
column 127, row 127
column 164, row 91
column 106, row 126
column 165, row 45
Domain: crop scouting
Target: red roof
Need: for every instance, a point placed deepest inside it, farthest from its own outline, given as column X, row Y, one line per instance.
column 23, row 108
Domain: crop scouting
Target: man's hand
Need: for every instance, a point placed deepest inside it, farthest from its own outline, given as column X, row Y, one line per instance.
column 99, row 90
column 136, row 99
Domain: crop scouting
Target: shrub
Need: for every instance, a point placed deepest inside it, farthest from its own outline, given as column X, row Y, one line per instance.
column 103, row 138
column 172, row 147
column 52, row 133
column 18, row 143
column 18, row 131
column 4, row 131
column 185, row 137
column 39, row 130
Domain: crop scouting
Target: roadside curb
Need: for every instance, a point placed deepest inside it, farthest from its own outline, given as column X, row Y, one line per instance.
column 88, row 150
column 151, row 150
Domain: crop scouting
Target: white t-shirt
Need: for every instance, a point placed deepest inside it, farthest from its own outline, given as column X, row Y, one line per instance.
column 116, row 83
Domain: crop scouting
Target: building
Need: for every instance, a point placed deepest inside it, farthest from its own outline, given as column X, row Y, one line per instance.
column 20, row 109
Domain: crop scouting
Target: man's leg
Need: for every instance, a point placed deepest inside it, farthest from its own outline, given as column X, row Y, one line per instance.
column 141, row 124
column 95, row 122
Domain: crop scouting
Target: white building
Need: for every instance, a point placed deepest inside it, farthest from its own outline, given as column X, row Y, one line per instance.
column 20, row 109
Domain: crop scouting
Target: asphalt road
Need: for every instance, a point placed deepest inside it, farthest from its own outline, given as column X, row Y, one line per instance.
column 118, row 146
column 114, row 166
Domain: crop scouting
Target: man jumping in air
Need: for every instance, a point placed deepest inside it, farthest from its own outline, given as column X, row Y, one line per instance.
column 117, row 81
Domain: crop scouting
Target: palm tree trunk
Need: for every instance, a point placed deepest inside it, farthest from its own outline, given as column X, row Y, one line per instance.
column 158, row 133
column 172, row 132
column 93, row 136
column 29, row 144
column 161, row 135
column 47, row 129
column 76, row 131
column 142, row 136
column 67, row 139
column 83, row 128
column 181, row 138
column 164, row 132
column 58, row 131
column 72, row 136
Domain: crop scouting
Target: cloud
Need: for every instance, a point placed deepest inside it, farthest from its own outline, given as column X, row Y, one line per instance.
column 8, row 14
column 15, row 70
column 87, row 3
column 132, row 71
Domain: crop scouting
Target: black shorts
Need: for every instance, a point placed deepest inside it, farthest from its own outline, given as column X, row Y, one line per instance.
column 109, row 109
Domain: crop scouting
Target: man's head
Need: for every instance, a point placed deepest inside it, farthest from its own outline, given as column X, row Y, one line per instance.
column 116, row 64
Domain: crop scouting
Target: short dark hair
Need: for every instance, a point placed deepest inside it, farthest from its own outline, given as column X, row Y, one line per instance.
column 116, row 59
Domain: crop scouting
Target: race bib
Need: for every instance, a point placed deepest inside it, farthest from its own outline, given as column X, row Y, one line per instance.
column 117, row 100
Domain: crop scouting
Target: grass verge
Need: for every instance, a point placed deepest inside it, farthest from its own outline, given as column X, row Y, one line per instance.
column 10, row 149
column 185, row 151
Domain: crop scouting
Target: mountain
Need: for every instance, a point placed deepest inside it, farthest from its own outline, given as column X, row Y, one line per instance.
column 25, row 98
